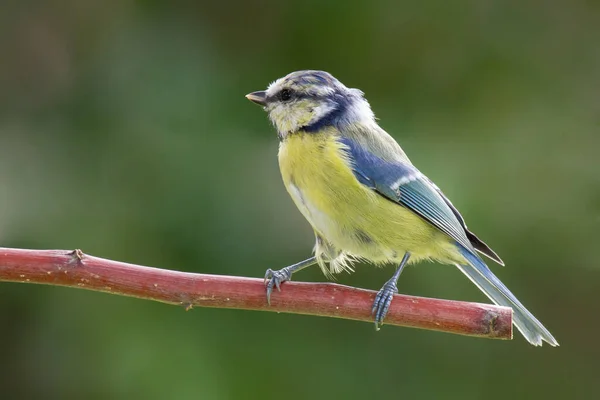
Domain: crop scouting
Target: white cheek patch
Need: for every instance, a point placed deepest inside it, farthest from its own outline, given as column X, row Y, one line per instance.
column 320, row 111
column 285, row 119
column 293, row 116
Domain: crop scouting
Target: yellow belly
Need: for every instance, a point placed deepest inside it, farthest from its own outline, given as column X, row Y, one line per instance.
column 352, row 217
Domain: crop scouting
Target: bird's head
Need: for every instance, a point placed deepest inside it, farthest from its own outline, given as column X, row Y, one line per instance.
column 309, row 101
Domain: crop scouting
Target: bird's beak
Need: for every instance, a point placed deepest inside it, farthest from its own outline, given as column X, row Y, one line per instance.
column 259, row 98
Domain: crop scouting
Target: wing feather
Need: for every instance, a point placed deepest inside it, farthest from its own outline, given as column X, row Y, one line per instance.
column 403, row 184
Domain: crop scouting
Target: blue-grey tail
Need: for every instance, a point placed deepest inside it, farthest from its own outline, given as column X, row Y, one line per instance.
column 488, row 283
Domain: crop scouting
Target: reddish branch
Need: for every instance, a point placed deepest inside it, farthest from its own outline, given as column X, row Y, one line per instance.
column 78, row 270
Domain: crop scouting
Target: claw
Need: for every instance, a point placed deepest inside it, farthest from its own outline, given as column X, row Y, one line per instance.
column 275, row 279
column 268, row 275
column 382, row 302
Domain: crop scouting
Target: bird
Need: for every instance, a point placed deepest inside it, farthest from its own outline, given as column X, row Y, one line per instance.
column 364, row 198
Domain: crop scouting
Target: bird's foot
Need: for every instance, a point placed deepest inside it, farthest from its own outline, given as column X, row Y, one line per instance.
column 275, row 279
column 382, row 302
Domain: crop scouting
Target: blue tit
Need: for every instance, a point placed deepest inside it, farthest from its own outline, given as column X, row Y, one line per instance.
column 364, row 198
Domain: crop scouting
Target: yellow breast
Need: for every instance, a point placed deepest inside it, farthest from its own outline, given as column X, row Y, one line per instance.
column 317, row 174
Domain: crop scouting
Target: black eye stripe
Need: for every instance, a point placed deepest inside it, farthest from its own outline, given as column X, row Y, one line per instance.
column 297, row 96
column 302, row 96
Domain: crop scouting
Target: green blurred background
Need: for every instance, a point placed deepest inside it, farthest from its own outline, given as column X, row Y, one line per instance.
column 124, row 131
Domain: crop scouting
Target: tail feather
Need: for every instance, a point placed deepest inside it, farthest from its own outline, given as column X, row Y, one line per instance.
column 490, row 285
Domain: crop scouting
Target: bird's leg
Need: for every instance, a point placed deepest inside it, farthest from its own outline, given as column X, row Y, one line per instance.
column 276, row 278
column 386, row 294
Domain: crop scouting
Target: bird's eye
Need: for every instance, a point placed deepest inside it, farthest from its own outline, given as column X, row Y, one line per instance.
column 286, row 94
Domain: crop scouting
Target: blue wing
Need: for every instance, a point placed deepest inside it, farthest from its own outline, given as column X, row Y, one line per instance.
column 403, row 184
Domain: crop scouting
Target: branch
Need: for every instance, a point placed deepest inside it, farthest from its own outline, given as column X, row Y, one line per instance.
column 78, row 270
